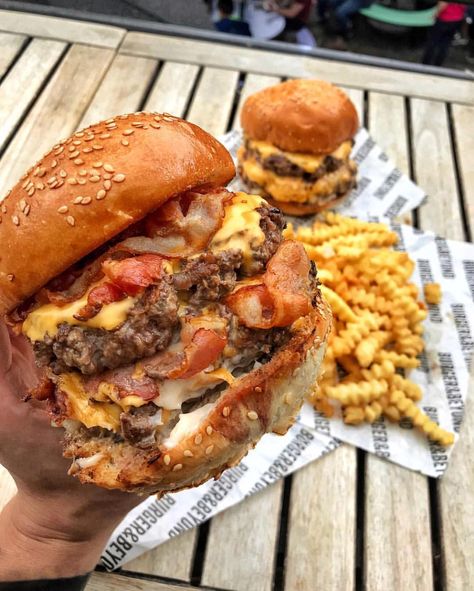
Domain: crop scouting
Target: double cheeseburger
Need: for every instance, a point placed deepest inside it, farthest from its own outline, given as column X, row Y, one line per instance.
column 298, row 137
column 173, row 323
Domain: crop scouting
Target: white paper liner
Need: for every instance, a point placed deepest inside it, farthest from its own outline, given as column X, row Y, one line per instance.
column 443, row 375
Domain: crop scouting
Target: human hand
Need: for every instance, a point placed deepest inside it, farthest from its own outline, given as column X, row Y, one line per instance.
column 55, row 526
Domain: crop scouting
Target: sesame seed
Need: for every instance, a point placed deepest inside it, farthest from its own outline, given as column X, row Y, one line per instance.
column 137, row 124
column 51, row 180
column 111, row 120
column 188, row 453
column 94, row 179
column 29, row 185
column 258, row 389
column 40, row 186
column 63, row 173
column 86, row 200
column 16, row 220
column 79, row 134
column 107, row 185
column 252, row 415
column 125, row 143
column 72, row 181
column 128, row 132
column 31, row 191
column 83, row 172
column 209, row 449
column 63, row 209
column 4, row 208
column 209, row 430
column 177, row 467
column 10, row 277
column 27, row 210
column 104, row 136
column 107, row 176
column 81, row 181
column 97, row 164
column 25, row 184
column 225, row 411
column 166, row 459
column 90, row 137
column 118, row 178
column 41, row 172
column 155, row 125
column 55, row 147
column 157, row 118
column 74, row 154
column 100, row 195
column 77, row 200
column 109, row 168
column 22, row 204
column 97, row 147
column 70, row 220
column 37, row 169
column 72, row 149
column 78, row 161
column 198, row 439
column 77, row 142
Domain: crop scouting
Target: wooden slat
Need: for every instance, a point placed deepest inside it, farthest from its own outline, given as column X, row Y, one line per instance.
column 122, row 89
column 457, row 507
column 242, row 542
column 321, row 530
column 434, row 168
column 212, row 103
column 281, row 64
column 253, row 83
column 7, row 487
column 463, row 119
column 57, row 112
column 394, row 520
column 112, row 582
column 28, row 74
column 64, row 29
column 173, row 559
column 10, row 45
column 172, row 89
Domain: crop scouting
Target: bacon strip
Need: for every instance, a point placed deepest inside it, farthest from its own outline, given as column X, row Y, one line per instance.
column 134, row 274
column 125, row 382
column 99, row 296
column 182, row 226
column 283, row 296
column 204, row 348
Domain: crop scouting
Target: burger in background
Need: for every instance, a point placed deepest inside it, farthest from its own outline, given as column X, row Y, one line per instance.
column 298, row 137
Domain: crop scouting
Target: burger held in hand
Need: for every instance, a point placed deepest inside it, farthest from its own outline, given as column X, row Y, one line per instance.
column 172, row 323
column 298, row 137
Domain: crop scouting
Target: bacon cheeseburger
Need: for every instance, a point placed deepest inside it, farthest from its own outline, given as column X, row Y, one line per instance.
column 297, row 145
column 174, row 324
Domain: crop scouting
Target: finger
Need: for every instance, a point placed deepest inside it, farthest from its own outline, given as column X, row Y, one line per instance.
column 5, row 349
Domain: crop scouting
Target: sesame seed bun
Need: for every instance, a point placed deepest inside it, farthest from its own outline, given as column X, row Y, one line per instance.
column 302, row 209
column 310, row 116
column 90, row 187
column 267, row 399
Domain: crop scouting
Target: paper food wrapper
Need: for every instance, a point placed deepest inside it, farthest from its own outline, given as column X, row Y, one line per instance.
column 444, row 376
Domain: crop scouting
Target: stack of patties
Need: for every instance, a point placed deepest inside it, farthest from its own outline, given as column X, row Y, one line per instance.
column 298, row 137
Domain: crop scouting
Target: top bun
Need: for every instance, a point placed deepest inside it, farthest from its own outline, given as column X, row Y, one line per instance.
column 310, row 116
column 90, row 187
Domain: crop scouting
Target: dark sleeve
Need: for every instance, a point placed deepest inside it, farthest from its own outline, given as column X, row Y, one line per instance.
column 72, row 584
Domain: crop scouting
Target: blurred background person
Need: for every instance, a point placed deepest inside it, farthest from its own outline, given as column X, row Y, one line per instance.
column 342, row 12
column 264, row 23
column 296, row 14
column 228, row 22
column 449, row 18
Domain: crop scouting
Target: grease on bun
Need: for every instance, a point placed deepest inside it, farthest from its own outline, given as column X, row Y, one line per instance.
column 297, row 144
column 173, row 324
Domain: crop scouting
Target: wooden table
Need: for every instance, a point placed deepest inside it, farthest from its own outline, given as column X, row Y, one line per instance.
column 350, row 520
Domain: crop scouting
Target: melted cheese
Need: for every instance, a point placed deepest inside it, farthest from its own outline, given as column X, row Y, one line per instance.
column 174, row 392
column 187, row 424
column 47, row 318
column 241, row 227
column 89, row 413
column 288, row 188
column 308, row 162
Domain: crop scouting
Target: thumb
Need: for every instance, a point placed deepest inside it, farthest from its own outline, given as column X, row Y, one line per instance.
column 5, row 349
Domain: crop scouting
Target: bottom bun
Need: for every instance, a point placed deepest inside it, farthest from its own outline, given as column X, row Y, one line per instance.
column 267, row 399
